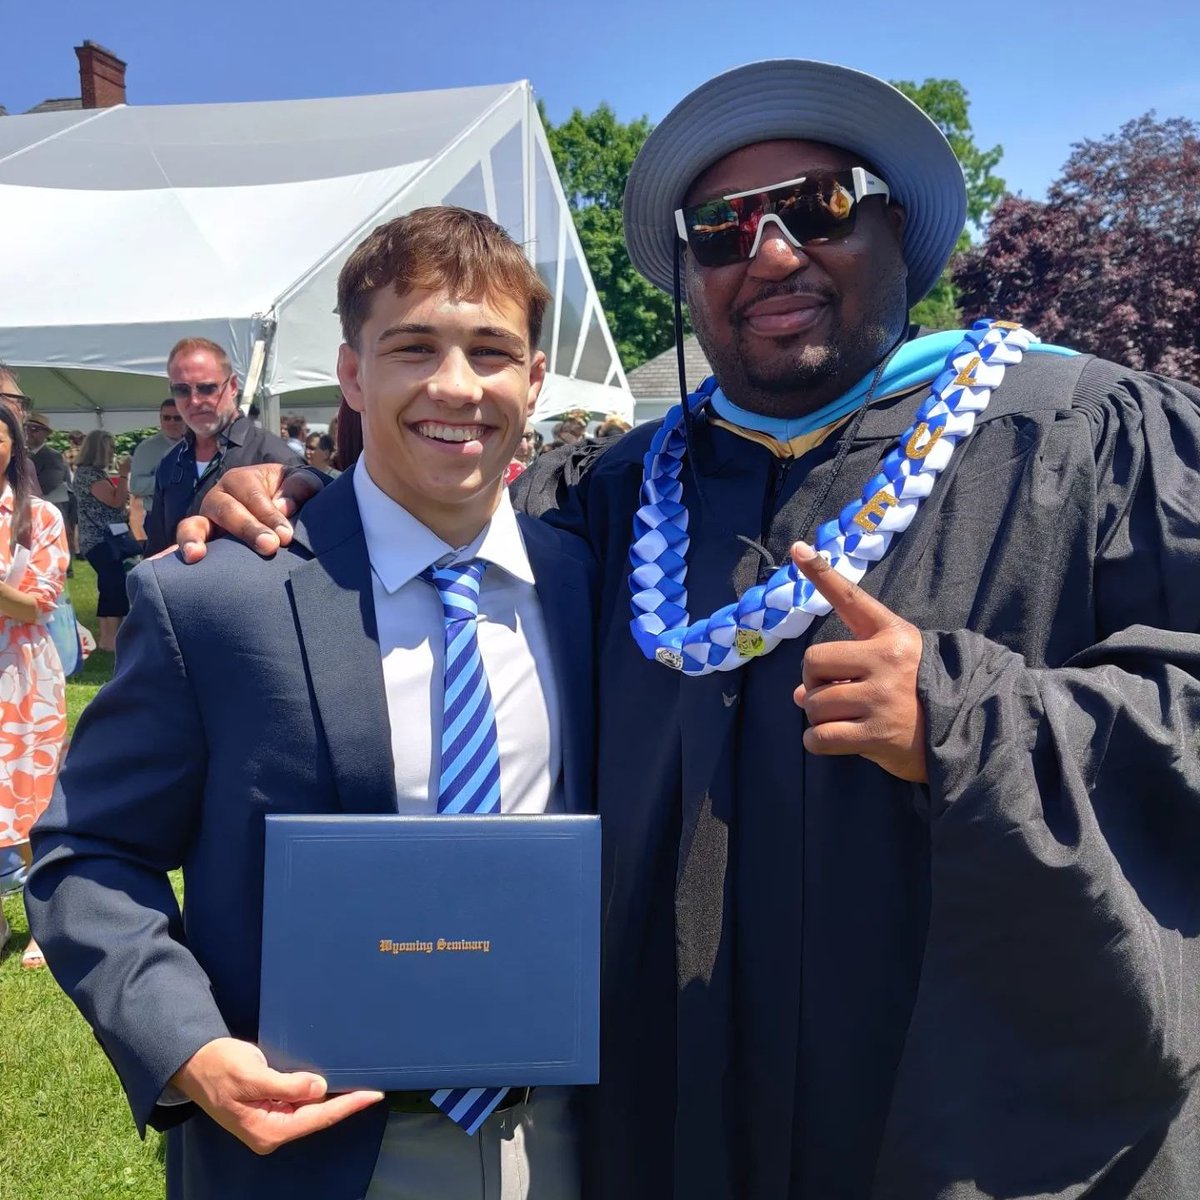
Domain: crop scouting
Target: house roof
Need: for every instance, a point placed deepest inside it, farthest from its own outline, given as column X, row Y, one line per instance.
column 658, row 377
column 66, row 104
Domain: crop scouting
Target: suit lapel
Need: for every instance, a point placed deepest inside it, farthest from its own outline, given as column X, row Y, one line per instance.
column 335, row 614
column 564, row 592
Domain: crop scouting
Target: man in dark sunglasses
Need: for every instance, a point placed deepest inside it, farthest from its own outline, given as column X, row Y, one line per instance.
column 901, row 896
column 212, row 436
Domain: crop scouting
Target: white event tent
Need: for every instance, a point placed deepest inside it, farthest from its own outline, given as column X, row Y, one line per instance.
column 124, row 229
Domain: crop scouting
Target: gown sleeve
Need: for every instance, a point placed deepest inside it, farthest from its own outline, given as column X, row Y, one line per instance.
column 1063, row 957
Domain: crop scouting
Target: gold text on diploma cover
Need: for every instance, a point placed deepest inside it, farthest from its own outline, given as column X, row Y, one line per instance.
column 389, row 946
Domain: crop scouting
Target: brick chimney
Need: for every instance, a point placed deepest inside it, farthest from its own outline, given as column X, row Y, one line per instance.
column 101, row 76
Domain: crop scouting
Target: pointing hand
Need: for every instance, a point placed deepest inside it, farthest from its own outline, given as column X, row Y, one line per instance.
column 860, row 697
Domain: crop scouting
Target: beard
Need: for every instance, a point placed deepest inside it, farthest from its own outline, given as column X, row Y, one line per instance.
column 791, row 377
column 213, row 422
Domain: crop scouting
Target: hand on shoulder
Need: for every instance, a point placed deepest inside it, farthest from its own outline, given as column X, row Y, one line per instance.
column 252, row 503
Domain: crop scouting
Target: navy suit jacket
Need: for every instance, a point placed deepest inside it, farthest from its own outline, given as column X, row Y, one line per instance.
column 243, row 687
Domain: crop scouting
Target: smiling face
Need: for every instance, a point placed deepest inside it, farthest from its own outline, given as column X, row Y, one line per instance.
column 444, row 386
column 795, row 327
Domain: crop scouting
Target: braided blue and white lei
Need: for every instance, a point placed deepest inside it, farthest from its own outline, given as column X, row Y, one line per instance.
column 787, row 603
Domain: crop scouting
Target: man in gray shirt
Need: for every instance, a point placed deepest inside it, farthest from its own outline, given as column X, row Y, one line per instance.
column 151, row 452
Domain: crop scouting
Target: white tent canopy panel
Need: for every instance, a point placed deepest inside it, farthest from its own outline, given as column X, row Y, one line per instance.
column 125, row 229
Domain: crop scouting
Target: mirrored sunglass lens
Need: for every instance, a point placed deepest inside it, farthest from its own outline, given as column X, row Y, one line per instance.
column 714, row 232
column 818, row 208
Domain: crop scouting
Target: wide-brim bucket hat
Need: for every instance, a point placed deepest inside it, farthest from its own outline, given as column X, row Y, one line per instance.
column 810, row 101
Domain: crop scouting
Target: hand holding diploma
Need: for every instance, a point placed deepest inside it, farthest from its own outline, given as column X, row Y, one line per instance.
column 860, row 697
column 263, row 1108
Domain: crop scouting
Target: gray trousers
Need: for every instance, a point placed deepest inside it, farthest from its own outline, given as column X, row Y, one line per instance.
column 528, row 1152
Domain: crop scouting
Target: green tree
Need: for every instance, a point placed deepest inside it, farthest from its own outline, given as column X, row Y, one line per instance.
column 945, row 102
column 593, row 153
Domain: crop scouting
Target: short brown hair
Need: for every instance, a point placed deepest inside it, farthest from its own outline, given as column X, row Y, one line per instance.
column 463, row 251
column 190, row 345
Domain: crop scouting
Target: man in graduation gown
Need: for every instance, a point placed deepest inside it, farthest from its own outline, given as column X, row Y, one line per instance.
column 908, row 908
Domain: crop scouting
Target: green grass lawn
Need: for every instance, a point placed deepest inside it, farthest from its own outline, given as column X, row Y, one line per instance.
column 99, row 667
column 65, row 1129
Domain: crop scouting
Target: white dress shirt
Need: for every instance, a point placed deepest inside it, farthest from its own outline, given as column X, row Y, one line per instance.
column 512, row 644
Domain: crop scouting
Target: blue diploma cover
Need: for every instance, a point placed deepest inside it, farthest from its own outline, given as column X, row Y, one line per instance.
column 424, row 952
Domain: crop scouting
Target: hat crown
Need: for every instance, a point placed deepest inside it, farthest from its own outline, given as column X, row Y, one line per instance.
column 805, row 100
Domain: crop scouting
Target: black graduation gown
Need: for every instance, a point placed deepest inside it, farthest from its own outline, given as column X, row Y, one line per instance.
column 823, row 983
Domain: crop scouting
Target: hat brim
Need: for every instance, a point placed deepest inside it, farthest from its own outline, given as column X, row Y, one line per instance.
column 810, row 101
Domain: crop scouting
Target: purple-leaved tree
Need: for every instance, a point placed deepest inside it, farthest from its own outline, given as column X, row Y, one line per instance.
column 1110, row 261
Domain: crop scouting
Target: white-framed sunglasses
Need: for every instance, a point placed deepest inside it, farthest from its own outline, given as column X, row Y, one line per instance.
column 820, row 206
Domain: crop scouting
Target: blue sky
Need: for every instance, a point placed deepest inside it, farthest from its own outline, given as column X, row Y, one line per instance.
column 1040, row 76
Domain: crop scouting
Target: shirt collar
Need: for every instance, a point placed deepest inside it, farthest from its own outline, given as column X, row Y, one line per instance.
column 6, row 498
column 400, row 547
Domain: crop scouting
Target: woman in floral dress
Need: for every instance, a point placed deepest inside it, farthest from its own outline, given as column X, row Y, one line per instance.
column 33, row 706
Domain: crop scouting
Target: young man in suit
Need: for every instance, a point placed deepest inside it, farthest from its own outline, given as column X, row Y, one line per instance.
column 312, row 682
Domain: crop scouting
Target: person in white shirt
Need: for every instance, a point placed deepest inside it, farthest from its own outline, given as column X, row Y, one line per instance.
column 313, row 682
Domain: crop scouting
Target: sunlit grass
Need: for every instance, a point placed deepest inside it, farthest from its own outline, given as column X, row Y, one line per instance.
column 65, row 1128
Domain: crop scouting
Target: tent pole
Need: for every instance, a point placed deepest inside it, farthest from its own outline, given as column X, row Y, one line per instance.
column 529, row 179
column 270, row 412
column 258, row 356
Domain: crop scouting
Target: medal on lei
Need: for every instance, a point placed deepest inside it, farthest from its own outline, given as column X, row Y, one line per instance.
column 787, row 603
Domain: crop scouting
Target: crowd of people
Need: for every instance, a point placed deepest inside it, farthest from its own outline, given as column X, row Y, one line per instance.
column 899, row 890
column 83, row 501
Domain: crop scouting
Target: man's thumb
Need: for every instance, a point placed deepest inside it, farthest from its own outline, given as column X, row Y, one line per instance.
column 296, row 1087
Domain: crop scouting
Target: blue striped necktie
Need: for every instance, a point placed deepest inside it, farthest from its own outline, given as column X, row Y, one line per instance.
column 469, row 779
